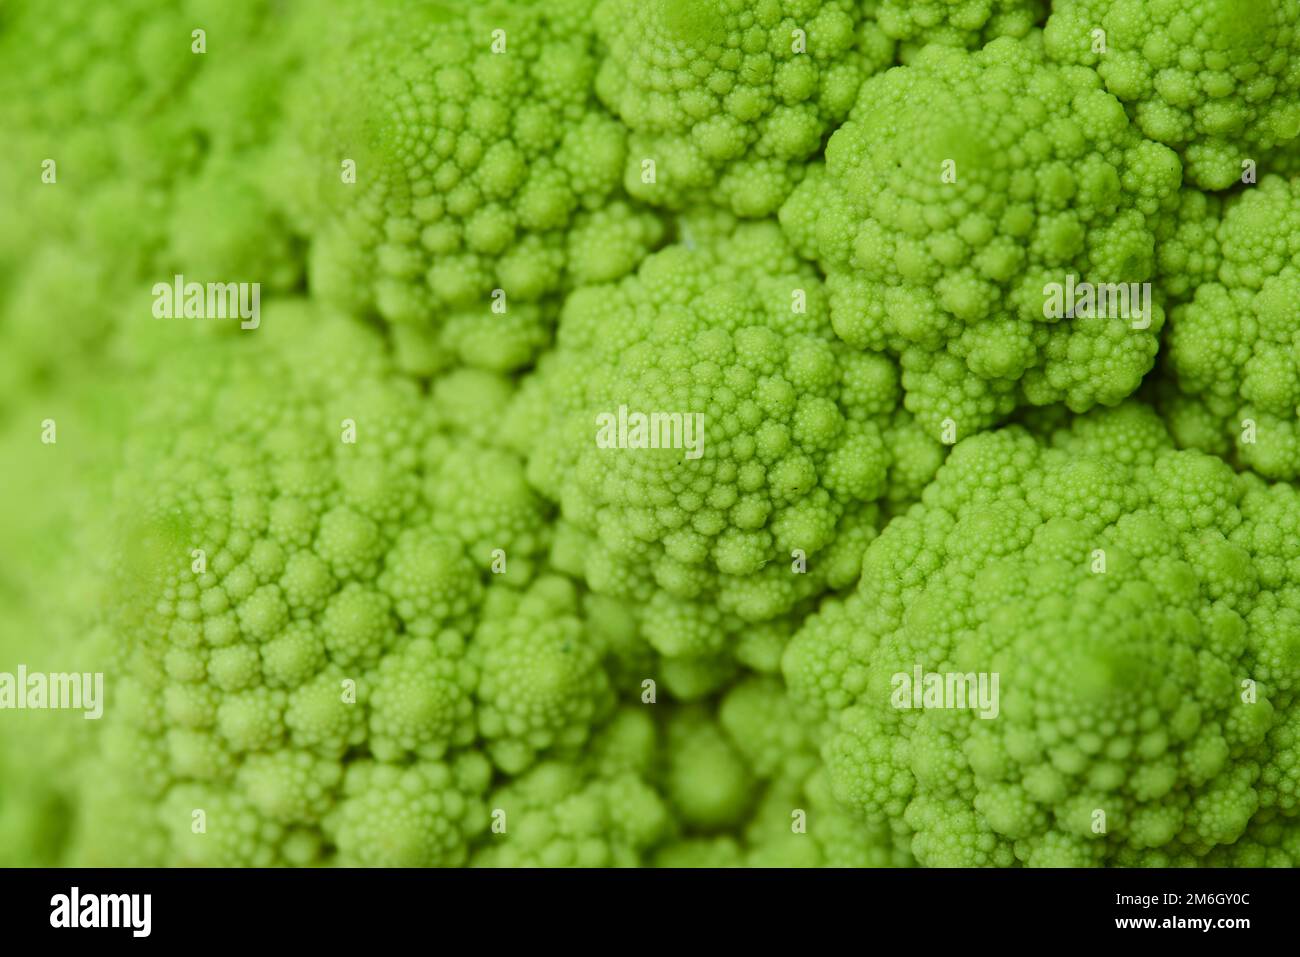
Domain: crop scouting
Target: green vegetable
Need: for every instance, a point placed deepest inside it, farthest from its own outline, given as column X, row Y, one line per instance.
column 281, row 556
column 726, row 99
column 664, row 438
column 959, row 189
column 765, row 488
column 955, row 23
column 471, row 176
column 1234, row 350
column 120, row 139
column 1133, row 601
column 1216, row 79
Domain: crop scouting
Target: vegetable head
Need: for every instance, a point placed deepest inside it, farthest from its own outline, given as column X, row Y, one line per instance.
column 726, row 100
column 1215, row 79
column 962, row 197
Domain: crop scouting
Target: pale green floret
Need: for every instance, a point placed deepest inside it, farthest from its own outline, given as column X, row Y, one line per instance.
column 541, row 684
column 420, row 699
column 602, row 812
column 726, row 100
column 961, row 188
column 121, row 141
column 251, row 720
column 1187, row 245
column 288, row 786
column 756, row 774
column 1284, row 161
column 762, row 490
column 481, row 494
column 430, row 580
column 803, row 825
column 1132, row 601
column 1218, row 80
column 1271, row 841
column 356, row 625
column 471, row 402
column 484, row 171
column 763, row 725
column 418, row 815
column 954, row 23
column 285, row 611
column 320, row 716
column 241, row 235
column 1234, row 350
column 210, row 826
column 701, row 852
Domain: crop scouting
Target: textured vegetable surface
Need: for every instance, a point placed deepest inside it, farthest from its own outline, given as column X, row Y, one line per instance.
column 672, row 433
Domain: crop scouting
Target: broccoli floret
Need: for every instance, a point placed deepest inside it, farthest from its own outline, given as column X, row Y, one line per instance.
column 726, row 100
column 600, row 811
column 461, row 174
column 959, row 190
column 1233, row 352
column 1130, row 601
column 292, row 609
column 785, row 438
column 955, row 23
column 1218, row 80
column 138, row 153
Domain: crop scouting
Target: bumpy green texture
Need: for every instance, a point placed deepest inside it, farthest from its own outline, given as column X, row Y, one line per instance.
column 287, row 623
column 745, row 781
column 598, row 811
column 795, row 439
column 1139, row 607
column 1218, row 80
column 131, row 157
column 961, row 186
column 541, row 681
column 954, row 23
column 1234, row 350
column 728, row 99
column 398, row 578
column 1187, row 245
column 462, row 175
